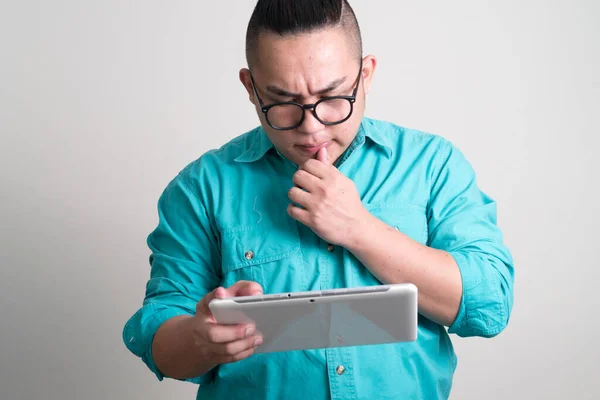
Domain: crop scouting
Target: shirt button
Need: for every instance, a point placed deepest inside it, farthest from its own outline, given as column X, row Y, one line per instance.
column 330, row 248
column 249, row 255
column 340, row 370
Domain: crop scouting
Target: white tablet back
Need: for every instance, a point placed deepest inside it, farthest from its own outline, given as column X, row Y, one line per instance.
column 329, row 318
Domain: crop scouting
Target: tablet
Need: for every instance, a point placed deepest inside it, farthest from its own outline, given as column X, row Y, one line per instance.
column 326, row 318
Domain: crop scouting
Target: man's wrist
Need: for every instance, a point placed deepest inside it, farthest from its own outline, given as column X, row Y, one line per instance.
column 363, row 228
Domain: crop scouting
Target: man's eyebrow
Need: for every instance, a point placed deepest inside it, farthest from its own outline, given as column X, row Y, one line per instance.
column 284, row 93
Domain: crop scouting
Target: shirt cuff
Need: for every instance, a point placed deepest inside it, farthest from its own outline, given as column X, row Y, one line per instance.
column 481, row 311
column 139, row 332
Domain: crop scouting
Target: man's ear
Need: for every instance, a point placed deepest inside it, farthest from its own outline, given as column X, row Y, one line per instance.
column 369, row 66
column 247, row 82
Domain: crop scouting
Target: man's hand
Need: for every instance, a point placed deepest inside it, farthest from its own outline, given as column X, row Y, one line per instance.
column 188, row 346
column 221, row 344
column 330, row 204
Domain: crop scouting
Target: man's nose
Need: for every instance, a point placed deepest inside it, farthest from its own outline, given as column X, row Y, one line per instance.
column 310, row 124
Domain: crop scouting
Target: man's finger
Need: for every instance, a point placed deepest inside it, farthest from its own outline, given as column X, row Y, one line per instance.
column 229, row 333
column 316, row 168
column 299, row 197
column 307, row 181
column 323, row 156
column 239, row 346
column 239, row 356
column 299, row 214
column 244, row 288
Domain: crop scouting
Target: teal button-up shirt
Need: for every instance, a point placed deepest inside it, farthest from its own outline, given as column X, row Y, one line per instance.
column 233, row 200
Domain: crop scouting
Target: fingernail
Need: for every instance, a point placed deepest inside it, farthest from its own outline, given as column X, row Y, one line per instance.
column 249, row 330
column 257, row 342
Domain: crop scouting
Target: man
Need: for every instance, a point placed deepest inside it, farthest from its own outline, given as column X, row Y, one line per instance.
column 319, row 197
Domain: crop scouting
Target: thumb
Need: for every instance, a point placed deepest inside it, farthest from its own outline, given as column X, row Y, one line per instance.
column 323, row 156
column 202, row 306
column 244, row 288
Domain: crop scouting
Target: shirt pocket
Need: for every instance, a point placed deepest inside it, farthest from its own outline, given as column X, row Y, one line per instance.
column 267, row 254
column 408, row 218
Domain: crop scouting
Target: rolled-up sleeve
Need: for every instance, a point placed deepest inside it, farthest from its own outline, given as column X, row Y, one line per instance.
column 462, row 220
column 184, row 259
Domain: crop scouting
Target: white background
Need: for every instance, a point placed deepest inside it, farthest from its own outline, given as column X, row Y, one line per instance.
column 102, row 103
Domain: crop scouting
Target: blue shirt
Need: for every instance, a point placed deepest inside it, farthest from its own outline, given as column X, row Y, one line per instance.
column 233, row 200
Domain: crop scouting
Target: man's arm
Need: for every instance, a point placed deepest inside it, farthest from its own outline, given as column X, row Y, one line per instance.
column 393, row 257
column 189, row 346
column 464, row 274
column 174, row 332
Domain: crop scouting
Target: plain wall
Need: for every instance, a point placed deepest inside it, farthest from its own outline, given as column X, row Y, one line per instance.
column 102, row 103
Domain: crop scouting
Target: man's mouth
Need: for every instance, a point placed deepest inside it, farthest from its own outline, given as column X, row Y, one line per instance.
column 311, row 148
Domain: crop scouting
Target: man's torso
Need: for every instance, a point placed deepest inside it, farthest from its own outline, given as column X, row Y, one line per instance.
column 244, row 188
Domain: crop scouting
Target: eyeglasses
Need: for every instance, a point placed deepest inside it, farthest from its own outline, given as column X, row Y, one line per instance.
column 288, row 115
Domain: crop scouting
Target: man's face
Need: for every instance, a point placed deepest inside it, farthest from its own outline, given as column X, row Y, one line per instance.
column 299, row 68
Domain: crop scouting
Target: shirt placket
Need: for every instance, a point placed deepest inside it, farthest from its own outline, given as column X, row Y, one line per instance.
column 340, row 369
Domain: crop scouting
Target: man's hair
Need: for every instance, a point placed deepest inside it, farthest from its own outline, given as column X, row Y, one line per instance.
column 292, row 17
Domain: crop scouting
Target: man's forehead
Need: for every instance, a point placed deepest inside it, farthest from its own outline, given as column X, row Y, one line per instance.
column 315, row 49
column 298, row 69
column 297, row 79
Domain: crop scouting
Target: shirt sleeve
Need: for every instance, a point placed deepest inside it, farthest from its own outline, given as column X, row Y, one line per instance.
column 462, row 221
column 184, row 259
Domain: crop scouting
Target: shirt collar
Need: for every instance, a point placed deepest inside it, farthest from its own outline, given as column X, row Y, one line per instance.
column 259, row 143
column 369, row 130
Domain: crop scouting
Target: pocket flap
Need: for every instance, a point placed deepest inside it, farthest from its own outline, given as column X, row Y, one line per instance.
column 408, row 218
column 251, row 245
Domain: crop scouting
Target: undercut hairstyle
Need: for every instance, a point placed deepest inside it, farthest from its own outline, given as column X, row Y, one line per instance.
column 293, row 17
